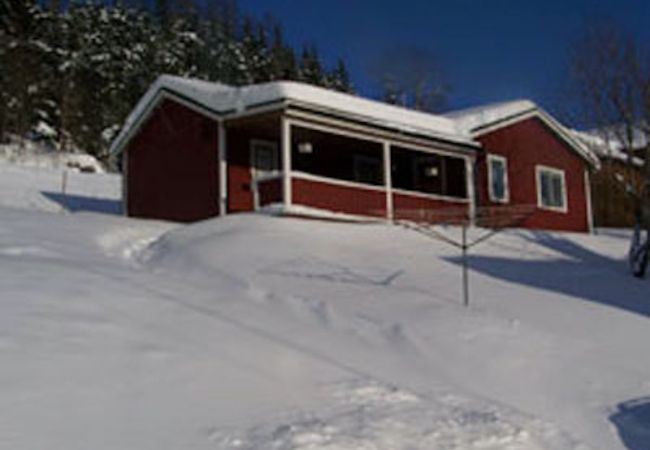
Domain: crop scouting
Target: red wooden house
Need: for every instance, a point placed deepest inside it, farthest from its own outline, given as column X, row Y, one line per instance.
column 529, row 158
column 192, row 150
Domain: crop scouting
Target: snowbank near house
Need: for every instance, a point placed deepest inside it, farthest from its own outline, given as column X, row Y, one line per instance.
column 258, row 332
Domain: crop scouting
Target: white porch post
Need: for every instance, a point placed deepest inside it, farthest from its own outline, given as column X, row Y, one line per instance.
column 471, row 192
column 223, row 170
column 590, row 212
column 285, row 126
column 388, row 181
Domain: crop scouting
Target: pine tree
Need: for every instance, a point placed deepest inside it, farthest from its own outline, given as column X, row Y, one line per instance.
column 79, row 67
column 282, row 59
column 310, row 67
column 339, row 78
column 22, row 55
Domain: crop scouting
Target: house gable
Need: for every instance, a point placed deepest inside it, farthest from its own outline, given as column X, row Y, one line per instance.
column 171, row 166
column 527, row 145
column 486, row 119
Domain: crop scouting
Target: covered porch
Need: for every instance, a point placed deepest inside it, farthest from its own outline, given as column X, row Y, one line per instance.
column 309, row 164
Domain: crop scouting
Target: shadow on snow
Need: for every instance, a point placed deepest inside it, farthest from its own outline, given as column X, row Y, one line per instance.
column 632, row 421
column 78, row 203
column 581, row 273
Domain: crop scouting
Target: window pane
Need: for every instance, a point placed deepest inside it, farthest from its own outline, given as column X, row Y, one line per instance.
column 334, row 156
column 265, row 159
column 367, row 170
column 544, row 185
column 497, row 169
column 418, row 171
column 557, row 190
column 552, row 189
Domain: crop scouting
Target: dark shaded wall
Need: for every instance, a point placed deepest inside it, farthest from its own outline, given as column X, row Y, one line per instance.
column 613, row 206
column 172, row 168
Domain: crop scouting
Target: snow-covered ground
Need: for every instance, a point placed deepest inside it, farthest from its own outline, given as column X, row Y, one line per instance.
column 27, row 153
column 259, row 332
column 58, row 189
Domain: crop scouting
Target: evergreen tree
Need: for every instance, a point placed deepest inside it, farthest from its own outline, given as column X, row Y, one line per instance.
column 310, row 67
column 339, row 78
column 254, row 51
column 282, row 64
column 22, row 57
column 79, row 67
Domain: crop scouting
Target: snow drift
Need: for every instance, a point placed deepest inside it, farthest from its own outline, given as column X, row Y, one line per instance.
column 257, row 332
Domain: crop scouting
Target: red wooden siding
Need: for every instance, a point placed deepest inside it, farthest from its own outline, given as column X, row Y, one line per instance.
column 240, row 193
column 407, row 207
column 270, row 191
column 339, row 198
column 526, row 144
column 172, row 169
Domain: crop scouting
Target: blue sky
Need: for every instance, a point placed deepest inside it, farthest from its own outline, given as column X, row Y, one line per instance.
column 489, row 50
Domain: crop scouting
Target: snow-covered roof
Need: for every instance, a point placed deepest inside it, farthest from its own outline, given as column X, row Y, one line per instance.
column 477, row 117
column 221, row 100
column 607, row 145
column 481, row 119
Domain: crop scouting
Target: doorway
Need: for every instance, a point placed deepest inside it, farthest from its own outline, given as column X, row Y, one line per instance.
column 265, row 165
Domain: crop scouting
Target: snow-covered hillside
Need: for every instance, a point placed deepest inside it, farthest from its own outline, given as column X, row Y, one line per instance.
column 28, row 153
column 58, row 189
column 258, row 332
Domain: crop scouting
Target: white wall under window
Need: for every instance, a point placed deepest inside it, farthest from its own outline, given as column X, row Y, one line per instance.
column 551, row 189
column 498, row 178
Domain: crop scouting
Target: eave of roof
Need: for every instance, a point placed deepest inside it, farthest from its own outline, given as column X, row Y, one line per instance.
column 484, row 119
column 222, row 101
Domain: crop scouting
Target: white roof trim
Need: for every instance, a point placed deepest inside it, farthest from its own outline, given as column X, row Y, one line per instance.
column 223, row 100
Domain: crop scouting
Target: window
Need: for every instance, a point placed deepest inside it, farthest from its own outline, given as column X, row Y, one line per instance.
column 428, row 171
column 418, row 171
column 367, row 169
column 551, row 189
column 498, row 178
column 264, row 158
column 340, row 157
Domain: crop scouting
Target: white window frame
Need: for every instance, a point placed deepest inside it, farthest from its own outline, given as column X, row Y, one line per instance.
column 506, row 185
column 539, row 170
column 255, row 176
column 254, row 143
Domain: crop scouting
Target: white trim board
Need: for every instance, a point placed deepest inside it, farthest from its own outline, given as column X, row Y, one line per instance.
column 336, row 181
column 255, row 176
column 444, row 198
column 222, row 153
column 286, row 164
column 378, row 188
column 388, row 179
column 590, row 212
column 341, row 128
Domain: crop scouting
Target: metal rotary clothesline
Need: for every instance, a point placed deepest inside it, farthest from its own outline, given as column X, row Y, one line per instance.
column 491, row 219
